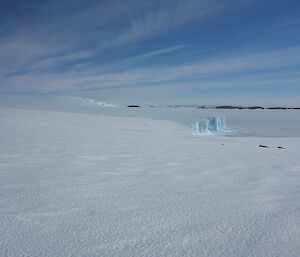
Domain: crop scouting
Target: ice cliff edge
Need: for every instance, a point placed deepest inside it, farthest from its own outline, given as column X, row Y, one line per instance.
column 211, row 125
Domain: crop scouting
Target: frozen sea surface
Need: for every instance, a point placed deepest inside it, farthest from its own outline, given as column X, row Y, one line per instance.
column 253, row 123
column 76, row 184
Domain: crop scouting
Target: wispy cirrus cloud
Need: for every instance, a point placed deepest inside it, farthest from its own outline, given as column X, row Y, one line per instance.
column 77, row 46
column 233, row 68
column 83, row 55
column 159, row 52
column 165, row 16
column 52, row 62
column 57, row 29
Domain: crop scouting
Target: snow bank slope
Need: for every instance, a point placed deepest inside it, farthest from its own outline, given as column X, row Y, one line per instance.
column 82, row 185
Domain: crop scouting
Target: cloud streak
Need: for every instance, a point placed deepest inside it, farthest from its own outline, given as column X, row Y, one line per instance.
column 166, row 17
column 79, row 46
column 98, row 26
column 203, row 72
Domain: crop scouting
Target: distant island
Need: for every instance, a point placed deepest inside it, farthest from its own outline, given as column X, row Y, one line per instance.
column 234, row 107
column 219, row 107
column 249, row 107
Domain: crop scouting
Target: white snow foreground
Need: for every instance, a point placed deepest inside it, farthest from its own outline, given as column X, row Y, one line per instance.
column 82, row 185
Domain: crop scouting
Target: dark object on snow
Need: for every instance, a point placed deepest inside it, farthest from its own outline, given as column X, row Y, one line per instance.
column 264, row 146
column 280, row 147
column 133, row 106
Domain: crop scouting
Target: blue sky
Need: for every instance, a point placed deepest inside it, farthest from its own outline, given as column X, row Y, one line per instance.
column 175, row 51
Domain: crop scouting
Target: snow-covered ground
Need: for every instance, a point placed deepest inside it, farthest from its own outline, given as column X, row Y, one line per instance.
column 90, row 185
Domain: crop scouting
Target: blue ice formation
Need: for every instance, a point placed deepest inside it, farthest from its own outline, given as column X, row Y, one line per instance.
column 211, row 125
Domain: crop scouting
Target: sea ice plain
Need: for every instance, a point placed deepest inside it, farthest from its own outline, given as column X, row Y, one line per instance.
column 252, row 123
column 91, row 185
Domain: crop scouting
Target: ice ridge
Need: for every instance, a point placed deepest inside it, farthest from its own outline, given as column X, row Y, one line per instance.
column 211, row 125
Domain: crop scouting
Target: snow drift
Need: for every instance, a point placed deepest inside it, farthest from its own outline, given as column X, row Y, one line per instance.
column 90, row 101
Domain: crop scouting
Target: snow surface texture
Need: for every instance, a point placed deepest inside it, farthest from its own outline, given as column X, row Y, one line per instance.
column 211, row 125
column 82, row 185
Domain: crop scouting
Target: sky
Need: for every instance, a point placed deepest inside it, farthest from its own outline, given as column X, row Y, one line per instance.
column 172, row 51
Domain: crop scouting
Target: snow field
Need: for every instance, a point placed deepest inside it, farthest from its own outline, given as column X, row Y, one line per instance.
column 90, row 185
